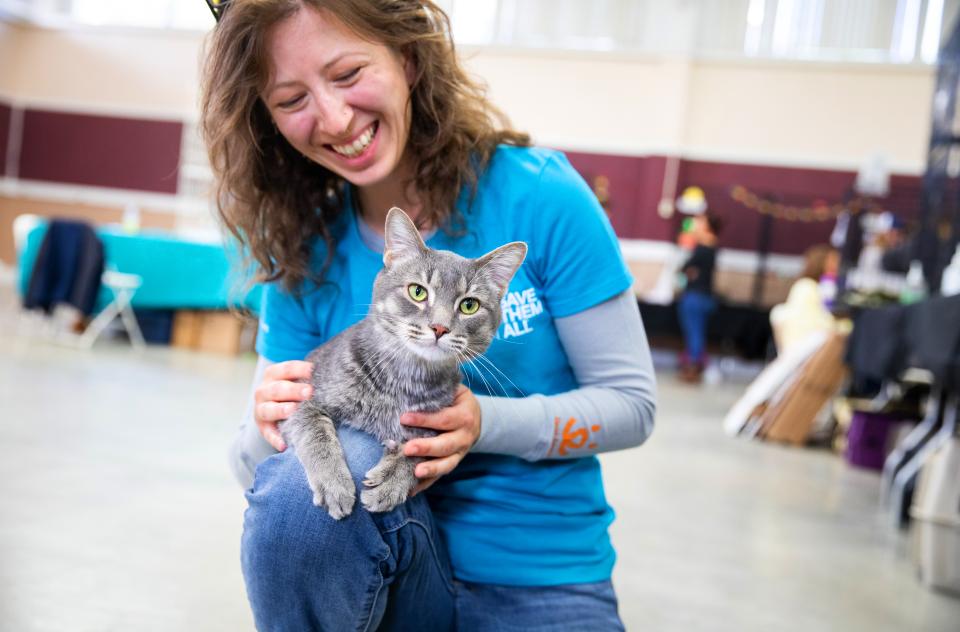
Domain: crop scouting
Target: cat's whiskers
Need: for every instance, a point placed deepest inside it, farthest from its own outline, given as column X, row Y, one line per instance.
column 480, row 368
column 479, row 356
column 479, row 374
column 510, row 398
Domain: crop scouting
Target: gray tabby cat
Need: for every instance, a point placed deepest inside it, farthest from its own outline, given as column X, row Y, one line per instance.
column 431, row 310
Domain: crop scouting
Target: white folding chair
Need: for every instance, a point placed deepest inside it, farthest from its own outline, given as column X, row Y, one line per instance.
column 123, row 286
column 23, row 225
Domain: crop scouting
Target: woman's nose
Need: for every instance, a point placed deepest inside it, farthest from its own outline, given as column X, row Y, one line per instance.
column 335, row 116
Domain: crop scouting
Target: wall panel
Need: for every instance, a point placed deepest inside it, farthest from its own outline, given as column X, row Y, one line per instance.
column 105, row 151
column 636, row 184
column 5, row 112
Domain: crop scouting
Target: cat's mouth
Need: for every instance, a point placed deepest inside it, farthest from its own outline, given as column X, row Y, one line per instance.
column 431, row 349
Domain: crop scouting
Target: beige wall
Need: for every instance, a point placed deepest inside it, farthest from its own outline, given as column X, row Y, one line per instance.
column 836, row 114
column 10, row 53
column 146, row 72
column 740, row 110
column 600, row 102
column 754, row 111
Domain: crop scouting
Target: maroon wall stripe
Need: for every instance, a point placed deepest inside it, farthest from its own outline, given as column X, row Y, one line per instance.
column 5, row 113
column 104, row 151
column 636, row 183
column 144, row 155
column 788, row 185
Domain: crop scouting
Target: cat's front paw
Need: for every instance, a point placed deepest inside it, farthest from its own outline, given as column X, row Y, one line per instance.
column 388, row 483
column 335, row 493
column 384, row 497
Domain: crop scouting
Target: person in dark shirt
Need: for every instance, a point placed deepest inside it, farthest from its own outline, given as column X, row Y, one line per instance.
column 697, row 301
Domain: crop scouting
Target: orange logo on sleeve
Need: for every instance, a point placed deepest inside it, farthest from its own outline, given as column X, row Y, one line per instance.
column 567, row 439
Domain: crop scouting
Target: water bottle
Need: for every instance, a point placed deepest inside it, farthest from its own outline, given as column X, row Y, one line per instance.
column 950, row 282
column 915, row 288
column 131, row 219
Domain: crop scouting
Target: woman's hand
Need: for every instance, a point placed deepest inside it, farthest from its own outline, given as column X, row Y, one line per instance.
column 277, row 397
column 459, row 428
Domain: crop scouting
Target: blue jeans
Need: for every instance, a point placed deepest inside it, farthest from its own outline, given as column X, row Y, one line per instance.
column 305, row 571
column 693, row 310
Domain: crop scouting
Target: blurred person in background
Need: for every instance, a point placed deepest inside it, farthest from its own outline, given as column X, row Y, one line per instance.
column 806, row 309
column 697, row 301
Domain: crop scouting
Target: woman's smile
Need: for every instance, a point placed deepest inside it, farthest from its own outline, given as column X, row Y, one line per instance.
column 360, row 148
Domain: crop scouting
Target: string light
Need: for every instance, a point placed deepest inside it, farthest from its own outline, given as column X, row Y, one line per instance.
column 821, row 212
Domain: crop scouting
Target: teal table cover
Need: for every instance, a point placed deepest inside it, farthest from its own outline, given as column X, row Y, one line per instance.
column 176, row 273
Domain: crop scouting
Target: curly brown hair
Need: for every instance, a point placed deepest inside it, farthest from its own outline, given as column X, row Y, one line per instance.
column 275, row 201
column 815, row 260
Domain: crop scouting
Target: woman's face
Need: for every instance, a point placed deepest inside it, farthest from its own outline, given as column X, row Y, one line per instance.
column 338, row 99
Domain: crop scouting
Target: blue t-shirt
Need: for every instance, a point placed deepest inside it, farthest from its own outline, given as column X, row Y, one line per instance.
column 504, row 520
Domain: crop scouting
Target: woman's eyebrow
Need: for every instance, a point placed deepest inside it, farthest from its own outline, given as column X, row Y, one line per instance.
column 283, row 84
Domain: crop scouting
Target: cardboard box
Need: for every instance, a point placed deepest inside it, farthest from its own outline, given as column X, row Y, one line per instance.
column 212, row 331
column 791, row 418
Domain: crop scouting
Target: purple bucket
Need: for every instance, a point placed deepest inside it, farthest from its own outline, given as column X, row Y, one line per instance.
column 867, row 439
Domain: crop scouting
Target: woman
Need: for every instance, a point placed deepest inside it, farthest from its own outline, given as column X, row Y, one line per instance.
column 806, row 311
column 319, row 116
column 697, row 301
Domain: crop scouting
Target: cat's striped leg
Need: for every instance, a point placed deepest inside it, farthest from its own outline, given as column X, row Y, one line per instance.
column 314, row 438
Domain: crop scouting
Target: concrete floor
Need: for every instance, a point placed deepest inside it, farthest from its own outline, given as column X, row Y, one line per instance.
column 119, row 512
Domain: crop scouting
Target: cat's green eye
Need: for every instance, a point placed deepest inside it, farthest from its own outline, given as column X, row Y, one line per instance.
column 417, row 292
column 469, row 306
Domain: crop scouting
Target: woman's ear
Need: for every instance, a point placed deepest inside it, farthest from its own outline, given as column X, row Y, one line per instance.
column 409, row 68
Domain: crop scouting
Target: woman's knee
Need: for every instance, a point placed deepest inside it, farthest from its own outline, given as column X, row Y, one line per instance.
column 283, row 528
column 298, row 561
column 282, row 522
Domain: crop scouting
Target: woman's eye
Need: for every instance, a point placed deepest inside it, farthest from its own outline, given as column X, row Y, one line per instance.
column 417, row 292
column 349, row 75
column 289, row 103
column 469, row 306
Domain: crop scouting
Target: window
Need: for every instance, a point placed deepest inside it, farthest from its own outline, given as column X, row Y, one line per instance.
column 884, row 31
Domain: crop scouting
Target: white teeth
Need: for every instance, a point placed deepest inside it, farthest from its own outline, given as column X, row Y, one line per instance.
column 356, row 146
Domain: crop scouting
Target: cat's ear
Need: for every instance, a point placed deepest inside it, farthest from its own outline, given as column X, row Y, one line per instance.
column 499, row 266
column 401, row 238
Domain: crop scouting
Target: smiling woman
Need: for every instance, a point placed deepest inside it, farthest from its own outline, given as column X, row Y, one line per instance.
column 337, row 88
column 320, row 116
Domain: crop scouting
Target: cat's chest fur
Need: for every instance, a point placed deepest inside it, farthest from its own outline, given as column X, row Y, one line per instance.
column 360, row 383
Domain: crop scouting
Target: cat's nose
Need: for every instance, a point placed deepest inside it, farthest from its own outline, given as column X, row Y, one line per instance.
column 439, row 330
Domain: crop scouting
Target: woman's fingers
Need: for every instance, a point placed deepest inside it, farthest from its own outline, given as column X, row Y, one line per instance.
column 464, row 413
column 436, row 421
column 458, row 427
column 274, row 412
column 288, row 371
column 429, row 472
column 286, row 392
column 435, row 468
column 446, row 444
column 270, row 432
column 277, row 397
column 423, row 484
